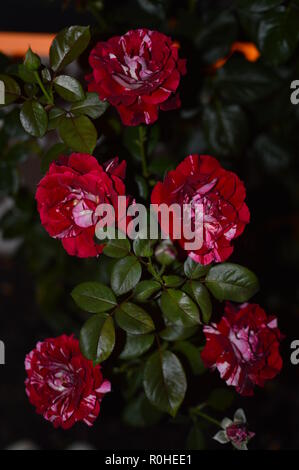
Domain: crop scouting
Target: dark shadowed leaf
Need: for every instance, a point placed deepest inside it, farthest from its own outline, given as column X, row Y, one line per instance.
column 192, row 353
column 226, row 128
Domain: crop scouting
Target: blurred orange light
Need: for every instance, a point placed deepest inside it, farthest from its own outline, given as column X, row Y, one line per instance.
column 248, row 49
column 16, row 44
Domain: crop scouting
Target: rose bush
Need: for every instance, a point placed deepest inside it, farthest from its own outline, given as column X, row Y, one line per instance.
column 149, row 301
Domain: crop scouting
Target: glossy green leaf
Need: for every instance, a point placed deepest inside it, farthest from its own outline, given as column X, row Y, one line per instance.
column 117, row 248
column 94, row 297
column 228, row 281
column 68, row 88
column 165, row 382
column 68, row 45
column 173, row 281
column 136, row 345
column 174, row 332
column 55, row 116
column 78, row 133
column 133, row 319
column 145, row 290
column 34, row 118
column 192, row 354
column 91, row 106
column 178, row 308
column 32, row 61
column 194, row 270
column 126, row 273
column 97, row 337
column 200, row 294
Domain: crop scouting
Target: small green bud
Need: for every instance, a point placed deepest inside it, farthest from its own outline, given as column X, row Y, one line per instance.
column 32, row 61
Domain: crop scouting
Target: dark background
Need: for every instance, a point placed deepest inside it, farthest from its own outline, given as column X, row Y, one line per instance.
column 34, row 284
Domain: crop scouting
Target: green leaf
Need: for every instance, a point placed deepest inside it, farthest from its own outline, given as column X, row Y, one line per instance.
column 194, row 270
column 55, row 116
column 26, row 75
column 216, row 35
column 145, row 290
column 126, row 273
column 91, row 106
column 78, row 133
column 34, row 118
column 51, row 155
column 94, row 297
column 68, row 88
column 68, row 45
column 133, row 319
column 97, row 338
column 174, row 332
column 165, row 382
column 226, row 128
column 32, row 61
column 258, row 6
column 195, row 439
column 241, row 81
column 143, row 247
column 141, row 413
column 136, row 345
column 12, row 89
column 278, row 34
column 142, row 186
column 132, row 141
column 117, row 248
column 200, row 294
column 228, row 281
column 178, row 308
column 192, row 354
column 173, row 281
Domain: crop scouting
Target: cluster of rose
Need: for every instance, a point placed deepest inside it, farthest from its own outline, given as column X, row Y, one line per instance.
column 139, row 74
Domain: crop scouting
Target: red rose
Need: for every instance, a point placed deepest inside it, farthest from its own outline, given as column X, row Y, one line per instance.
column 244, row 347
column 69, row 194
column 200, row 181
column 138, row 73
column 63, row 385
